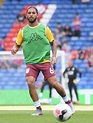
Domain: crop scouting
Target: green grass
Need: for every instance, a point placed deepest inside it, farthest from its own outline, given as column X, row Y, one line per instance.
column 18, row 116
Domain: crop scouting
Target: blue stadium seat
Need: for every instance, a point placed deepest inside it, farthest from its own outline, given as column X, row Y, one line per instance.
column 64, row 13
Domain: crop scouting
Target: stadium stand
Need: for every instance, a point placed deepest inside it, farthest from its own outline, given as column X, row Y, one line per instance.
column 62, row 11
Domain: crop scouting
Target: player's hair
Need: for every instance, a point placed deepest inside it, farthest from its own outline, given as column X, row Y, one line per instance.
column 33, row 8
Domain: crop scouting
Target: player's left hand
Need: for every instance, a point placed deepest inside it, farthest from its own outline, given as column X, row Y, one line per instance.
column 53, row 60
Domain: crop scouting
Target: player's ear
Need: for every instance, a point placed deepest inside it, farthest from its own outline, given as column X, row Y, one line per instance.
column 37, row 17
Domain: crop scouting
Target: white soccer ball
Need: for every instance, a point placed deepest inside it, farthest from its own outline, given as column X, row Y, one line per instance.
column 62, row 112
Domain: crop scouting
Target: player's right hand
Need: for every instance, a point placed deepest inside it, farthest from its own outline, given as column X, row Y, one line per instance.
column 14, row 49
column 76, row 80
column 66, row 80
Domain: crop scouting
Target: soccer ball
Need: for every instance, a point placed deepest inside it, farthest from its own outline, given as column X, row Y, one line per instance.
column 62, row 112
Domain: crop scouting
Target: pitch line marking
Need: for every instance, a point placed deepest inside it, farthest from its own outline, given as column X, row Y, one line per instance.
column 44, row 107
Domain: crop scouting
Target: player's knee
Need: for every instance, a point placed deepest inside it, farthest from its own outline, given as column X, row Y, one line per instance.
column 30, row 81
column 54, row 84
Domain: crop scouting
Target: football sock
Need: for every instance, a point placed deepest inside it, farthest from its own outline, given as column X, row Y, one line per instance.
column 40, row 95
column 37, row 105
column 65, row 99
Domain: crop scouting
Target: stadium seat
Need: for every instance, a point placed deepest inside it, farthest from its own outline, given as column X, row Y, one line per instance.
column 64, row 13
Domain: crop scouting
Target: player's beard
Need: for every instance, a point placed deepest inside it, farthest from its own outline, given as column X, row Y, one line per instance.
column 32, row 21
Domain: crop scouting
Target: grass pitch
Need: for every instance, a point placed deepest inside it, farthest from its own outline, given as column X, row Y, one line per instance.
column 21, row 115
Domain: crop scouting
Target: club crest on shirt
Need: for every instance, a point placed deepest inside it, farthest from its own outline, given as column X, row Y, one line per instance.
column 27, row 70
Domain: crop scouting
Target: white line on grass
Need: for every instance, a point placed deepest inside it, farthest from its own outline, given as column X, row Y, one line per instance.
column 44, row 107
